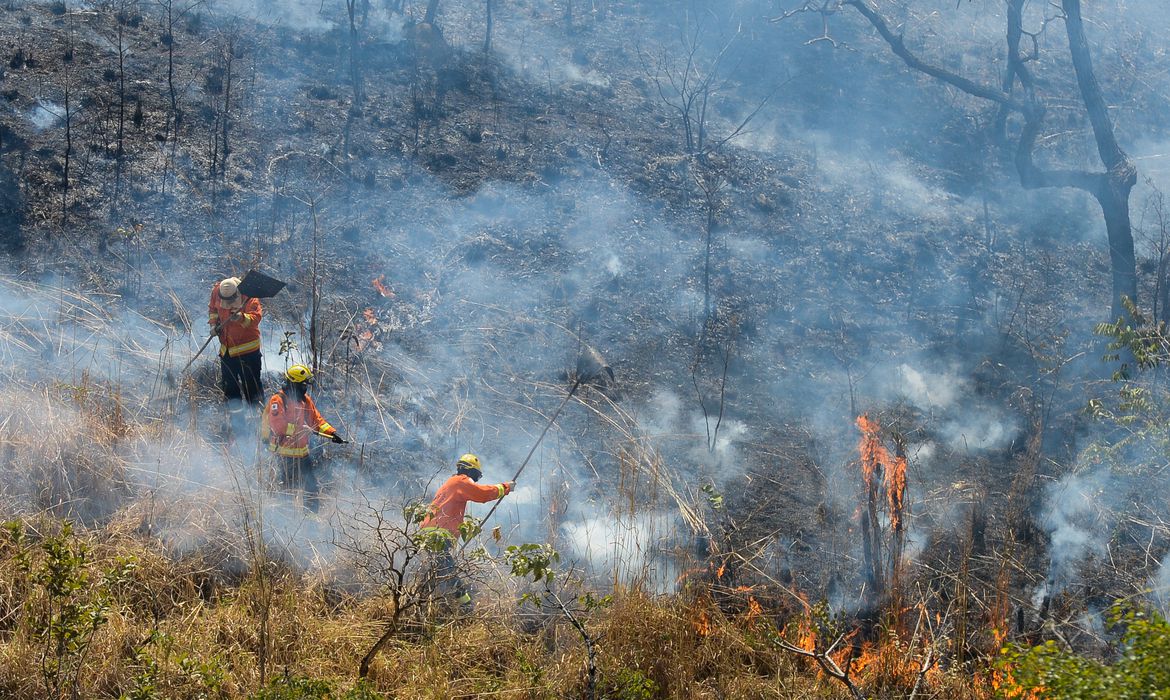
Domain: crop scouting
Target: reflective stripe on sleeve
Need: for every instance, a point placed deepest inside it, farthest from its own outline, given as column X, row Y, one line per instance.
column 500, row 488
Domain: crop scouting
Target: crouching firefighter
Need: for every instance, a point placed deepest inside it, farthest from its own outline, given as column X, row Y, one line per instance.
column 447, row 511
column 292, row 418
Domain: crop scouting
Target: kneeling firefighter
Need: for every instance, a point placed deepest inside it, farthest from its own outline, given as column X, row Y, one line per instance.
column 292, row 418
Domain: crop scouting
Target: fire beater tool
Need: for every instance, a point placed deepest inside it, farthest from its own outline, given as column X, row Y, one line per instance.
column 255, row 284
column 590, row 363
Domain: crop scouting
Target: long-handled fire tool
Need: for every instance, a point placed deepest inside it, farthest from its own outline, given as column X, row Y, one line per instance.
column 255, row 284
column 589, row 365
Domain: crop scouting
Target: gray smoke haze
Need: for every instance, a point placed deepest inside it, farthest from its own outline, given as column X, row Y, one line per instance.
column 864, row 293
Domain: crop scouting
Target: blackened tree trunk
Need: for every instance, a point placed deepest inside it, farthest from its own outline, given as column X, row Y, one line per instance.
column 487, row 32
column 67, row 63
column 1114, row 186
column 355, row 75
column 121, row 17
column 1110, row 188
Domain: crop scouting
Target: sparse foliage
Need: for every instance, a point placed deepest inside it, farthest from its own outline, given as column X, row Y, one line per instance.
column 1051, row 671
column 401, row 559
column 538, row 563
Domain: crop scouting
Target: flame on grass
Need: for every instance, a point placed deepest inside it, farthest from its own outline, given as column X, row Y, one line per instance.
column 805, row 632
column 701, row 621
column 754, row 609
column 364, row 332
column 1001, row 677
column 1001, row 681
column 380, row 286
column 891, row 661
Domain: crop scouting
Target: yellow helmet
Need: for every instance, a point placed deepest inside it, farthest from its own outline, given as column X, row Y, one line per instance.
column 469, row 461
column 298, row 374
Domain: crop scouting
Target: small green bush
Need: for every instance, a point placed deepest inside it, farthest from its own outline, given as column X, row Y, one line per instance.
column 298, row 688
column 1139, row 670
column 632, row 684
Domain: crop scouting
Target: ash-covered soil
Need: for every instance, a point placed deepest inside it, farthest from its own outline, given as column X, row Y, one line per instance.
column 475, row 216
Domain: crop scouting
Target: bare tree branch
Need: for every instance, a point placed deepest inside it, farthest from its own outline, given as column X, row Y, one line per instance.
column 898, row 45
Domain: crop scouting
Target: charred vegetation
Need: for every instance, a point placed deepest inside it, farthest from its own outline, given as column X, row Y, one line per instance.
column 794, row 350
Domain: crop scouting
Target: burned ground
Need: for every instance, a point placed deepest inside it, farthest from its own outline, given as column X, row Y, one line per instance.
column 478, row 216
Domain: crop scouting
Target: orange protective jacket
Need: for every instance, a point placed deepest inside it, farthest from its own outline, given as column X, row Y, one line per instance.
column 450, row 502
column 291, row 422
column 236, row 336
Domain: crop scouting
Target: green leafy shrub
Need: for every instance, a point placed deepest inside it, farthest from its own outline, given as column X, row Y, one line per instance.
column 1138, row 670
column 299, row 688
column 632, row 684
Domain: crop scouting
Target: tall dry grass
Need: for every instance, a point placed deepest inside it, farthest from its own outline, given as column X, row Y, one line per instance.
column 181, row 590
column 168, row 627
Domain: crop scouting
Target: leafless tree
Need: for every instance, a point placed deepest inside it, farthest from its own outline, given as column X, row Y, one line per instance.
column 67, row 73
column 1156, row 226
column 711, row 181
column 221, row 85
column 387, row 546
column 432, row 12
column 488, row 22
column 688, row 84
column 355, row 74
column 173, row 12
column 124, row 13
column 1110, row 187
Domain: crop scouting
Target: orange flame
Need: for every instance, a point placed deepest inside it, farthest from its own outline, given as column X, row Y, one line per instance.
column 896, row 490
column 1004, row 684
column 806, row 630
column 754, row 609
column 875, row 455
column 702, row 623
column 381, row 287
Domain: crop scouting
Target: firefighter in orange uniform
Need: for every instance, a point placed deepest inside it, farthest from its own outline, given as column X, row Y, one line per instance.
column 447, row 512
column 292, row 418
column 235, row 318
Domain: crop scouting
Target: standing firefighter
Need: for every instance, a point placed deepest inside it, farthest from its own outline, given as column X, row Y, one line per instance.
column 235, row 318
column 447, row 512
column 292, row 418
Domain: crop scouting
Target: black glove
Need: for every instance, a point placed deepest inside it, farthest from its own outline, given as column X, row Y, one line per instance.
column 338, row 439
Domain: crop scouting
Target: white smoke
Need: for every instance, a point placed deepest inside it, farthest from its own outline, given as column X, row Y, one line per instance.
column 1160, row 587
column 626, row 549
column 46, row 114
column 964, row 421
column 1076, row 518
column 927, row 389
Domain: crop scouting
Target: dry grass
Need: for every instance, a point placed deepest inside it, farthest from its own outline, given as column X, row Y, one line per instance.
column 207, row 643
column 213, row 613
column 163, row 616
column 198, row 601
